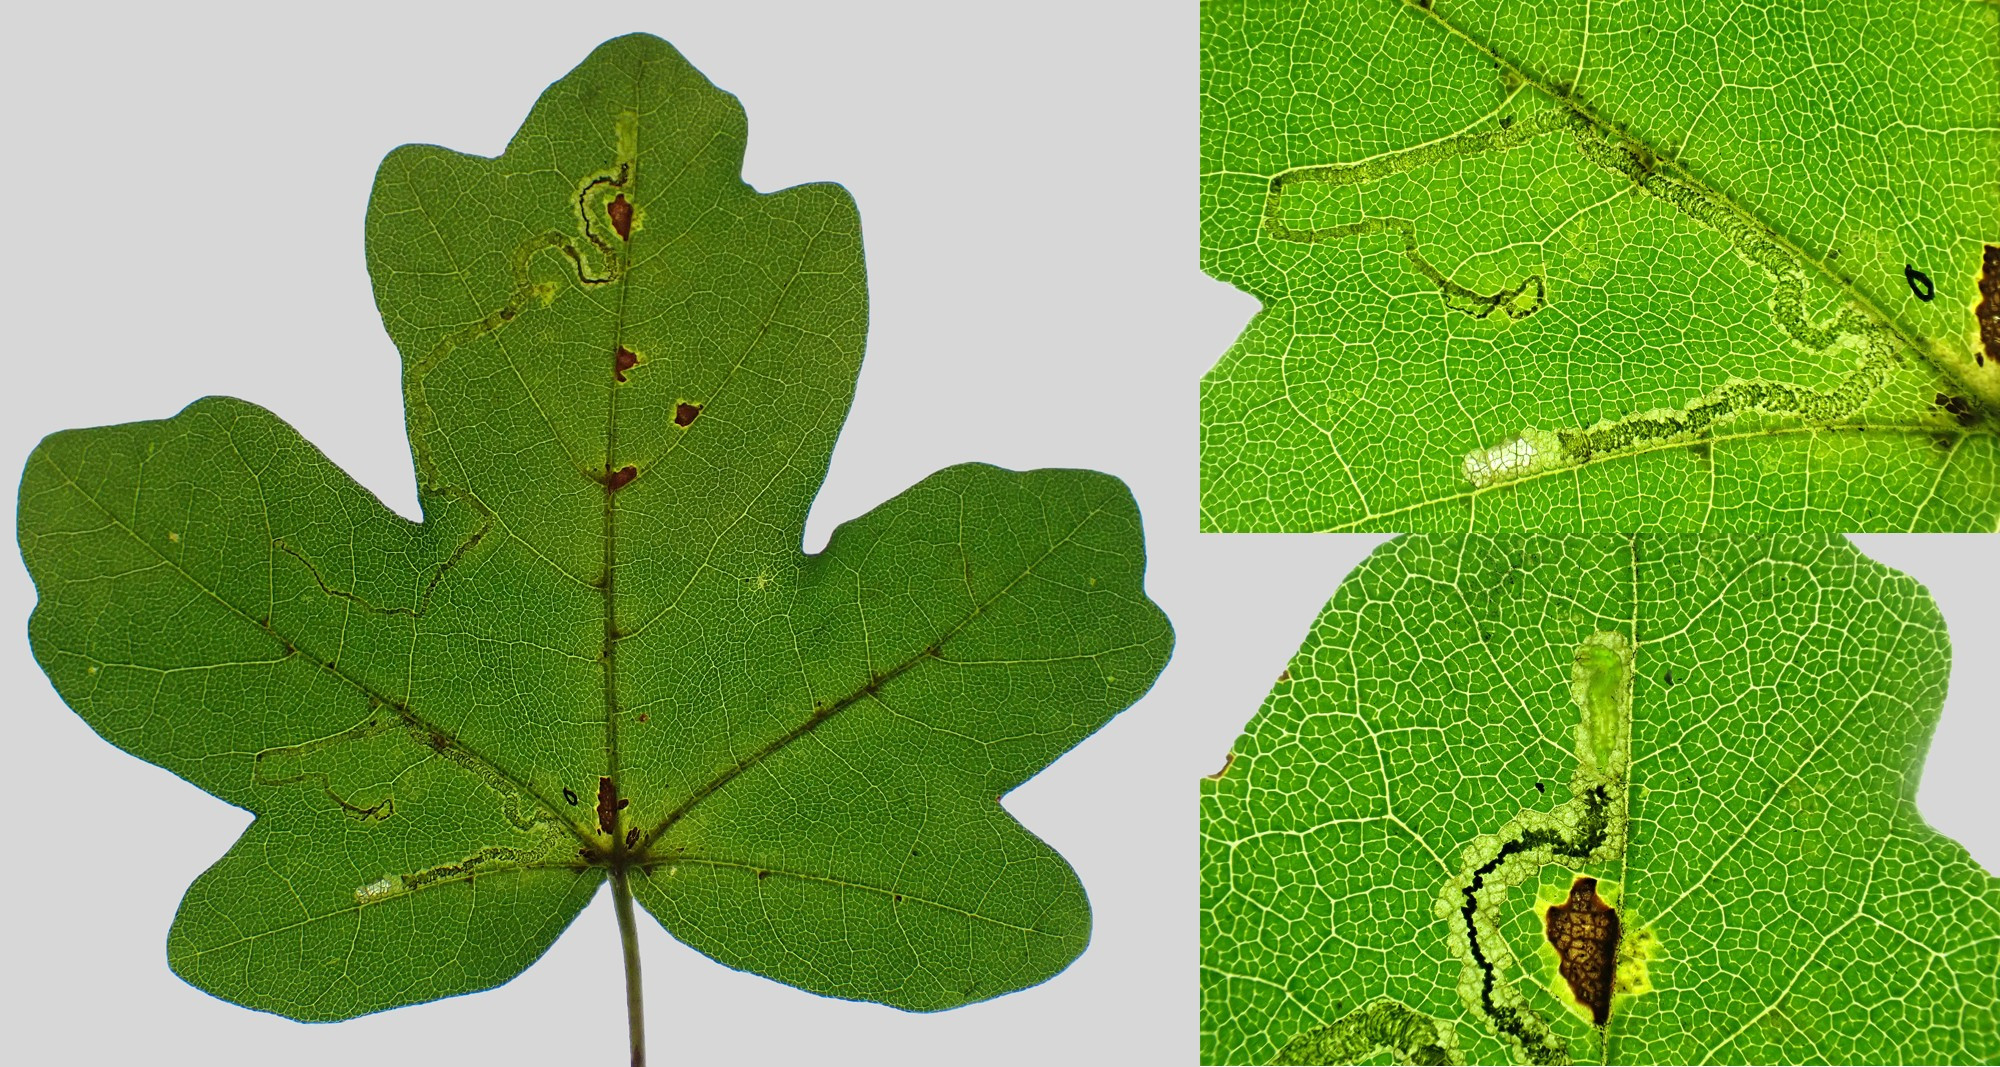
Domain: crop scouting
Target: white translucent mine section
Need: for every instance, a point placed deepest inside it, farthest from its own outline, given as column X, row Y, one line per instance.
column 1532, row 451
column 375, row 890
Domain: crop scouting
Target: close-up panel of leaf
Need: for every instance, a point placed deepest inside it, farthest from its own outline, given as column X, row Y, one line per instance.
column 1603, row 266
column 602, row 656
column 1611, row 799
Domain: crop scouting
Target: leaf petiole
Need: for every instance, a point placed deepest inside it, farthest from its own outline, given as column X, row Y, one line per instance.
column 628, row 936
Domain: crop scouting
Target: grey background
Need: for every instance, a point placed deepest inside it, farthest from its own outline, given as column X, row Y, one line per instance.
column 184, row 194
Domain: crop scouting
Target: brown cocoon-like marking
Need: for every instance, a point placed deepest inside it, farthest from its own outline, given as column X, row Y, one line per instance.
column 1584, row 932
column 621, row 216
column 608, row 806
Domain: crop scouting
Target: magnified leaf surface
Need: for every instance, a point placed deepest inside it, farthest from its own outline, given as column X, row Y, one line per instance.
column 1690, row 762
column 1603, row 266
column 602, row 648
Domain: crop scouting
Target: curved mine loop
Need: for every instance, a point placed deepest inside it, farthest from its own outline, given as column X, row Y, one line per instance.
column 1381, row 1025
column 1589, row 829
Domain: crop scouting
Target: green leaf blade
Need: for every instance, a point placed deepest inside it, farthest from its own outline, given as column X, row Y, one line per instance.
column 928, row 715
column 1710, row 312
column 603, row 647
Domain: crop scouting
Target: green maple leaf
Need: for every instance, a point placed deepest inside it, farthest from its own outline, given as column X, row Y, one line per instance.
column 1611, row 267
column 1486, row 741
column 602, row 656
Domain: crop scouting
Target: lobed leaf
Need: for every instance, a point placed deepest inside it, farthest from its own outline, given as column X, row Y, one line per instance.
column 602, row 647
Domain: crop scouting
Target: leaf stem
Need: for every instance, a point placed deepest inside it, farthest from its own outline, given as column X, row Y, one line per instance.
column 628, row 936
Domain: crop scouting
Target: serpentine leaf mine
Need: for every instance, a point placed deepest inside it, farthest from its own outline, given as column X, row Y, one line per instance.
column 1561, row 272
column 1598, row 799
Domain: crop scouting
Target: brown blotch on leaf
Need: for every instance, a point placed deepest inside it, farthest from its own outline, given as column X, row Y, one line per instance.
column 1584, row 932
column 761, row 875
column 1285, row 675
column 1988, row 311
column 1226, row 761
column 608, row 806
column 623, row 362
column 621, row 216
column 631, row 837
column 684, row 413
column 1959, row 408
column 616, row 479
column 642, row 716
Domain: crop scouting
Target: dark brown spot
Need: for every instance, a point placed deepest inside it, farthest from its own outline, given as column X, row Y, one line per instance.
column 899, row 898
column 631, row 837
column 1959, row 408
column 1226, row 761
column 437, row 741
column 589, row 854
column 1944, row 442
column 642, row 716
column 1920, row 283
column 1540, row 788
column 684, row 413
column 1285, row 675
column 608, row 806
column 616, row 479
column 1584, row 932
column 1988, row 311
column 621, row 216
column 761, row 875
column 623, row 362
column 569, row 795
